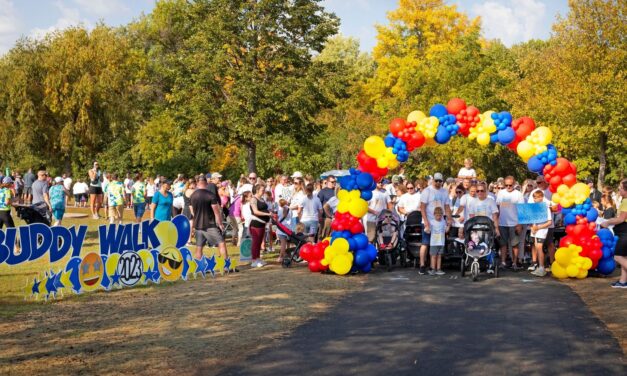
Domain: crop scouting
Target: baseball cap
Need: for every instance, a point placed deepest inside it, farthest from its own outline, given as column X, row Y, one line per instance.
column 438, row 176
column 216, row 175
column 58, row 179
column 7, row 180
column 297, row 174
column 385, row 181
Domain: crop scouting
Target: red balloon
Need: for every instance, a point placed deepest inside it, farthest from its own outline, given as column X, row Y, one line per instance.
column 466, row 119
column 357, row 228
column 306, row 251
column 314, row 265
column 569, row 180
column 523, row 127
column 455, row 105
column 318, row 253
column 416, row 140
column 397, row 125
column 566, row 241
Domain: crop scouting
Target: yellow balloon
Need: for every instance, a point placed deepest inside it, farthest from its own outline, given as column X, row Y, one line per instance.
column 374, row 146
column 562, row 189
column 583, row 273
column 572, row 270
column 543, row 135
column 341, row 265
column 382, row 162
column 562, row 256
column 558, row 271
column 167, row 234
column 483, row 139
column 324, row 262
column 340, row 245
column 415, row 116
column 112, row 263
column 586, row 263
column 392, row 163
column 358, row 208
column 355, row 194
column 525, row 150
column 148, row 263
column 329, row 253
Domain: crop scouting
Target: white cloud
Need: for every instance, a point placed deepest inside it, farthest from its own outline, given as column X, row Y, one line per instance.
column 519, row 21
column 9, row 25
column 69, row 17
column 102, row 8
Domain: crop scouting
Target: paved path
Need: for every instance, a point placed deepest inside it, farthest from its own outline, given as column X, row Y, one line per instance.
column 402, row 324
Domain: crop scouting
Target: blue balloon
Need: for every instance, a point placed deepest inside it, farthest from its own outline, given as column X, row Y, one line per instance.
column 442, row 136
column 372, row 252
column 606, row 266
column 494, row 138
column 366, row 195
column 507, row 135
column 535, row 165
column 607, row 253
column 592, row 215
column 364, row 180
column 389, row 140
column 438, row 110
column 184, row 230
column 361, row 241
column 570, row 219
column 366, row 268
column 351, row 244
column 605, row 233
column 361, row 258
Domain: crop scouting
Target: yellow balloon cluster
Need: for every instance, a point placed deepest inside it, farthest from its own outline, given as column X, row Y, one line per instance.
column 352, row 202
column 415, row 116
column 428, row 126
column 375, row 148
column 535, row 143
column 337, row 257
column 568, row 263
column 483, row 129
column 576, row 194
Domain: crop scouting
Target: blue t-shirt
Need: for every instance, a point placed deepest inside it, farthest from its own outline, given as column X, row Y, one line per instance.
column 163, row 211
column 57, row 197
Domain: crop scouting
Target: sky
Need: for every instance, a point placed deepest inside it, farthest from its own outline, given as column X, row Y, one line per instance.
column 511, row 21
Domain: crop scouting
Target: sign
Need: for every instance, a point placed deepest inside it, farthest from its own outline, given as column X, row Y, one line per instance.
column 532, row 213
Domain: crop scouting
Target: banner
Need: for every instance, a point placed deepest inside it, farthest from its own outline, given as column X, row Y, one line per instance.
column 533, row 213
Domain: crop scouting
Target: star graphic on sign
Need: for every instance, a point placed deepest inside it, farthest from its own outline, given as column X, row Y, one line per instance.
column 201, row 266
column 148, row 276
column 35, row 289
column 57, row 281
column 234, row 263
column 52, row 290
column 227, row 264
column 115, row 278
column 220, row 264
column 211, row 265
column 156, row 276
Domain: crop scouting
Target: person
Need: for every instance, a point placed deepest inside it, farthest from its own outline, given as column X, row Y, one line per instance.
column 151, row 188
column 467, row 171
column 620, row 230
column 510, row 229
column 128, row 191
column 542, row 185
column 608, row 209
column 539, row 232
column 267, row 244
column 138, row 193
column 178, row 188
column 190, row 188
column 595, row 195
column 297, row 196
column 283, row 190
column 248, row 185
column 436, row 242
column 67, row 183
column 408, row 202
column 207, row 219
column 80, row 190
column 29, row 179
column 380, row 200
column 19, row 187
column 260, row 216
column 57, row 200
column 484, row 206
column 430, row 198
column 235, row 216
column 95, row 190
column 41, row 199
column 115, row 199
column 161, row 205
column 247, row 214
column 456, row 201
column 310, row 212
column 329, row 208
column 283, row 217
column 6, row 198
column 329, row 189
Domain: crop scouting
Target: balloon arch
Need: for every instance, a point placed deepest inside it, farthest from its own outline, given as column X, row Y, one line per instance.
column 582, row 249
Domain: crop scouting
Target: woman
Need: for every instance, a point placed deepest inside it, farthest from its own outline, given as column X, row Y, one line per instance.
column 456, row 202
column 6, row 195
column 161, row 206
column 190, row 187
column 178, row 188
column 608, row 209
column 620, row 230
column 297, row 197
column 57, row 200
column 260, row 217
column 150, row 191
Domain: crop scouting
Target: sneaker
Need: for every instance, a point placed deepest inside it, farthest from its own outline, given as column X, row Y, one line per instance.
column 261, row 263
column 515, row 267
column 532, row 267
column 490, row 271
column 254, row 264
column 540, row 272
column 421, row 271
column 503, row 266
column 439, row 272
column 619, row 285
column 431, row 271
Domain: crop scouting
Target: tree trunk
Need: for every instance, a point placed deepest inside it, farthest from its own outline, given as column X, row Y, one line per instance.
column 602, row 160
column 251, row 157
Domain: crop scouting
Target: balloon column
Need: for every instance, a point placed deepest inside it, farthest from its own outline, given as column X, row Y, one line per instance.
column 348, row 249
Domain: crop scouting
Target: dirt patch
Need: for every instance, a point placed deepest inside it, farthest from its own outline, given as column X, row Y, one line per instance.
column 195, row 327
column 608, row 304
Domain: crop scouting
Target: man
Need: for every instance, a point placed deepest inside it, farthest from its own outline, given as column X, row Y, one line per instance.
column 510, row 229
column 380, row 200
column 283, row 190
column 41, row 198
column 205, row 207
column 595, row 195
column 324, row 196
column 543, row 185
column 67, row 183
column 95, row 190
column 430, row 198
column 115, row 199
column 214, row 183
column 29, row 179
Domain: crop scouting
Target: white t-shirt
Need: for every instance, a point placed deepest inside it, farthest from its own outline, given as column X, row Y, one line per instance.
column 541, row 234
column 295, row 202
column 247, row 214
column 311, row 207
column 434, row 198
column 128, row 185
column 67, row 183
column 283, row 192
column 150, row 190
column 547, row 197
column 390, row 189
column 438, row 233
column 80, row 188
column 333, row 202
column 378, row 202
column 484, row 208
column 409, row 202
column 507, row 206
column 457, row 222
column 467, row 173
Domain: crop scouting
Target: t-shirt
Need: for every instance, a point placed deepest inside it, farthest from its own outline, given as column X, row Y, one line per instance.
column 325, row 195
column 409, row 202
column 434, row 198
column 507, row 206
column 378, row 202
column 150, row 190
column 389, row 188
column 333, row 203
column 438, row 232
column 541, row 234
column 481, row 208
column 202, row 201
column 5, row 199
column 247, row 214
column 295, row 201
column 179, row 188
column 115, row 193
column 623, row 207
column 40, row 188
column 311, row 207
column 283, row 192
column 57, row 197
column 29, row 179
column 467, row 173
column 67, row 183
column 128, row 185
column 163, row 209
column 138, row 191
column 80, row 188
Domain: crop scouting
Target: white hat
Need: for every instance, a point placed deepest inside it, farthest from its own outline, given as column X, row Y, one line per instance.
column 245, row 188
column 297, row 174
column 438, row 176
column 58, row 179
column 216, row 175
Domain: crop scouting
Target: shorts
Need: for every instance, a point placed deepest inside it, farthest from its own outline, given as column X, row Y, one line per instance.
column 19, row 191
column 115, row 212
column 509, row 237
column 148, row 200
column 6, row 219
column 58, row 213
column 436, row 250
column 549, row 236
column 311, row 227
column 538, row 240
column 620, row 230
column 95, row 190
column 426, row 237
column 28, row 191
column 139, row 209
column 211, row 236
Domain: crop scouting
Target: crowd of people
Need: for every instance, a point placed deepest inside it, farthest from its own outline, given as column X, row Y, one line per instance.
column 307, row 205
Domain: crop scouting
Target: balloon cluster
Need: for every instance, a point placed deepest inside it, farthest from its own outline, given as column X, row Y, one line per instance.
column 428, row 126
column 568, row 263
column 504, row 134
column 584, row 209
column 369, row 165
column 410, row 138
column 535, row 143
column 358, row 180
column 352, row 203
column 481, row 132
column 337, row 256
column 313, row 254
column 523, row 128
column 447, row 124
column 563, row 172
column 569, row 196
column 537, row 162
column 583, row 234
column 374, row 146
column 608, row 245
column 399, row 147
column 467, row 116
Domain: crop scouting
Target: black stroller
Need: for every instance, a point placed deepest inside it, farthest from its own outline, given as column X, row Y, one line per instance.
column 37, row 213
column 293, row 253
column 413, row 236
column 388, row 240
column 479, row 236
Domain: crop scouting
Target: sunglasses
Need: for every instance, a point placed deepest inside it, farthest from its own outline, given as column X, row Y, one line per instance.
column 509, row 185
column 480, row 190
column 173, row 263
column 332, row 181
column 459, row 192
column 252, row 177
column 499, row 187
column 410, row 187
column 438, row 181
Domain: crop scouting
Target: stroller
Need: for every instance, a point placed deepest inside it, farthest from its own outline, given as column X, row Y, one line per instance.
column 293, row 253
column 37, row 213
column 413, row 236
column 388, row 240
column 479, row 236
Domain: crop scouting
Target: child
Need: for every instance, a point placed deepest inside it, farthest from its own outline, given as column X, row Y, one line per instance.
column 115, row 193
column 283, row 217
column 388, row 236
column 57, row 200
column 272, row 208
column 538, row 234
column 138, row 193
column 476, row 244
column 436, row 245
